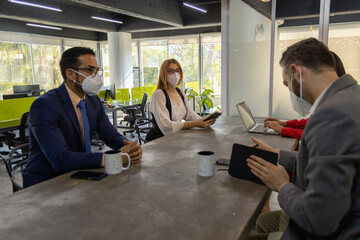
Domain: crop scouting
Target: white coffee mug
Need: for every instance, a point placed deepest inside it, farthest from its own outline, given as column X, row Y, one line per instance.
column 114, row 163
column 206, row 164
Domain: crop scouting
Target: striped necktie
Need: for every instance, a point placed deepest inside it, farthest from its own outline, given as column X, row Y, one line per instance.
column 86, row 126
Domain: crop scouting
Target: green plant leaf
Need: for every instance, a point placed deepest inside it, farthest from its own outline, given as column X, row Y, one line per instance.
column 212, row 96
column 207, row 92
column 208, row 102
column 194, row 93
column 190, row 96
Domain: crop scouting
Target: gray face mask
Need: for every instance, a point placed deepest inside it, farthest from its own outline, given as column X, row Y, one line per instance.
column 301, row 106
column 91, row 85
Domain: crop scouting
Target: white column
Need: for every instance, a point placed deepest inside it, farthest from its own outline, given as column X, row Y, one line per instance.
column 120, row 59
column 225, row 56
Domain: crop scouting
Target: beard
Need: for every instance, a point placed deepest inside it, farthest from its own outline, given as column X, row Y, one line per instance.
column 296, row 88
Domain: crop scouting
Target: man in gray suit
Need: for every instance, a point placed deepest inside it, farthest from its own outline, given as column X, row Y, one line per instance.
column 323, row 200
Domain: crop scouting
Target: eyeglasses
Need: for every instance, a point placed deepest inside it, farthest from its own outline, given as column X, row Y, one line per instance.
column 93, row 71
column 172, row 71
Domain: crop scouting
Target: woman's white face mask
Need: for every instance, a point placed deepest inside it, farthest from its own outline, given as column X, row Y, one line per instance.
column 173, row 79
column 301, row 106
column 91, row 85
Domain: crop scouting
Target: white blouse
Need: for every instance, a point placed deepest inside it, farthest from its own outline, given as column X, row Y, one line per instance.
column 178, row 112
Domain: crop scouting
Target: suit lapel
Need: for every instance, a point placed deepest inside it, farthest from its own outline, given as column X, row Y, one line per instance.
column 68, row 107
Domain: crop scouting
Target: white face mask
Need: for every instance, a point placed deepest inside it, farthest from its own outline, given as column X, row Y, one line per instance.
column 301, row 106
column 91, row 85
column 173, row 79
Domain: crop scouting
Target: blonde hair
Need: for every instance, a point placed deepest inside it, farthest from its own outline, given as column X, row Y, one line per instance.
column 162, row 82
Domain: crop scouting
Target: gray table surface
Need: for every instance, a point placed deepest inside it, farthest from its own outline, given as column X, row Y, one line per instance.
column 161, row 198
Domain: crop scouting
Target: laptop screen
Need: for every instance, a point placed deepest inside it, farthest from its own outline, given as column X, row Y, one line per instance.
column 246, row 115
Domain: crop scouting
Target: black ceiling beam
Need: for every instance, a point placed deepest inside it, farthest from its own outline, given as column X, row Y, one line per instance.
column 72, row 16
column 19, row 26
column 263, row 8
column 161, row 11
column 176, row 32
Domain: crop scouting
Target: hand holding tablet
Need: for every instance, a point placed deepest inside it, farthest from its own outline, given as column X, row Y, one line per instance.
column 214, row 115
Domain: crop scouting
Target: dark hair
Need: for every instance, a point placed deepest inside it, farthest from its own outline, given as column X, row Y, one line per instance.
column 311, row 53
column 69, row 58
column 339, row 67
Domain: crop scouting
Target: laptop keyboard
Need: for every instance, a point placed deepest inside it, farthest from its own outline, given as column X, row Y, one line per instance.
column 259, row 128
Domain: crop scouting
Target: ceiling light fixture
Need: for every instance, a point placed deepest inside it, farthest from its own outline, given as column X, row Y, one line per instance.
column 107, row 19
column 43, row 26
column 265, row 0
column 36, row 5
column 191, row 6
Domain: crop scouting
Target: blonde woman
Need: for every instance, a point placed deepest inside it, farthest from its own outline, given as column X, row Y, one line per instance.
column 169, row 105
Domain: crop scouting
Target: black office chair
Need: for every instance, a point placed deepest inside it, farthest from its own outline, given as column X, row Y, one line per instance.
column 14, row 164
column 23, row 132
column 96, row 141
column 135, row 113
column 37, row 92
column 142, row 126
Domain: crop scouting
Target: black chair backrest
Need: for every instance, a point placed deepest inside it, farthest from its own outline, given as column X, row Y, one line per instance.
column 143, row 104
column 147, row 124
column 24, row 124
column 16, row 160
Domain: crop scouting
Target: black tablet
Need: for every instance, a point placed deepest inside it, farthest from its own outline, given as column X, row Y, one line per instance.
column 214, row 115
column 89, row 175
column 238, row 166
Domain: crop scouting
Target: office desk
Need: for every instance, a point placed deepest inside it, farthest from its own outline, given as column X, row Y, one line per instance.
column 10, row 125
column 161, row 198
column 121, row 106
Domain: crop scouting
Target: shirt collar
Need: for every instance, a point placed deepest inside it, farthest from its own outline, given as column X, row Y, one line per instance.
column 318, row 99
column 75, row 99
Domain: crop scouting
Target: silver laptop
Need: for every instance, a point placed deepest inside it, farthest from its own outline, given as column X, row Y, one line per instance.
column 249, row 121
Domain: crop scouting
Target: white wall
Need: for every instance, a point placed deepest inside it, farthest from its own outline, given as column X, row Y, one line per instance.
column 249, row 61
column 120, row 57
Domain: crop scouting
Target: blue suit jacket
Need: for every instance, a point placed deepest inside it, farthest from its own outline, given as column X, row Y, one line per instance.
column 55, row 139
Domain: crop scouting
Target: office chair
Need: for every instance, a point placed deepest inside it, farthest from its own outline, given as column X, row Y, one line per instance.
column 37, row 92
column 134, row 114
column 14, row 164
column 96, row 141
column 147, row 124
column 23, row 132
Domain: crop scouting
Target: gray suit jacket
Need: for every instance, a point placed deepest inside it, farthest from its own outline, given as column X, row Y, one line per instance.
column 323, row 201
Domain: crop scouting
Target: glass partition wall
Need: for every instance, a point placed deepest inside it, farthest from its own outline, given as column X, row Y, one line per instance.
column 256, row 42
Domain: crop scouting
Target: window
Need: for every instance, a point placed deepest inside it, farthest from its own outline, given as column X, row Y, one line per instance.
column 34, row 59
column 211, row 60
column 201, row 63
column 46, row 65
column 186, row 52
column 15, row 65
column 153, row 53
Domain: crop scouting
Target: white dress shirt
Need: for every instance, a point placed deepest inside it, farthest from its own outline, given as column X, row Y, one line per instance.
column 161, row 113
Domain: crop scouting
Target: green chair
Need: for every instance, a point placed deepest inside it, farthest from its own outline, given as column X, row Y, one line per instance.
column 122, row 95
column 137, row 93
column 150, row 90
column 101, row 94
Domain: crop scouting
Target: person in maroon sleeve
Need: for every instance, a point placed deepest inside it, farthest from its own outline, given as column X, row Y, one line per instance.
column 294, row 128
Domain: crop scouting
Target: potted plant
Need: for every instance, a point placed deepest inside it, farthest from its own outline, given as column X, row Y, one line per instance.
column 202, row 99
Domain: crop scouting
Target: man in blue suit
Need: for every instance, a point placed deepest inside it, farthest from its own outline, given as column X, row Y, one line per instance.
column 63, row 120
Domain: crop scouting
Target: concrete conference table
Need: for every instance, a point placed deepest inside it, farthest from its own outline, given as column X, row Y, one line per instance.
column 161, row 198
